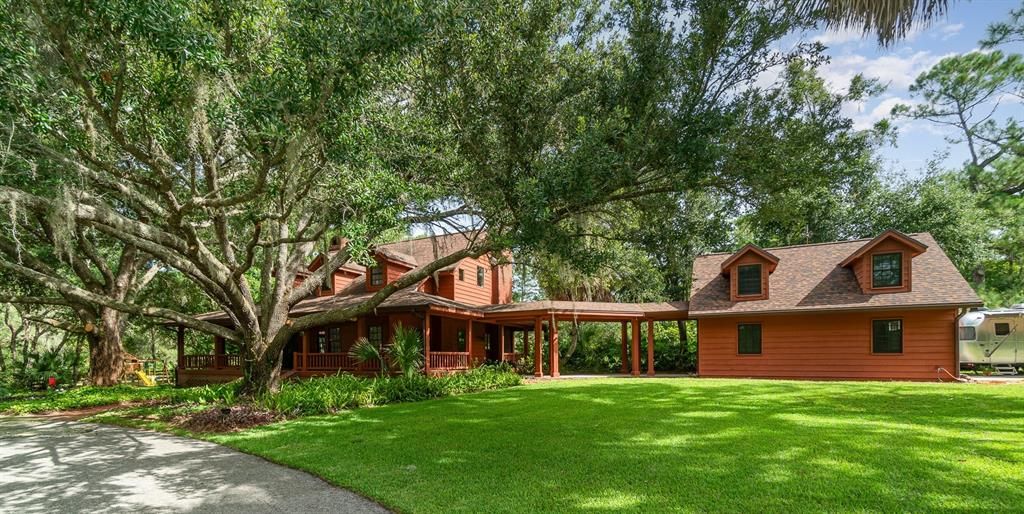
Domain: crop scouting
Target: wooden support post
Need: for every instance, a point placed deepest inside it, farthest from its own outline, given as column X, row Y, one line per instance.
column 650, row 348
column 181, row 346
column 305, row 349
column 361, row 327
column 426, row 343
column 625, row 354
column 218, row 351
column 553, row 346
column 469, row 341
column 538, row 365
column 501, row 342
column 636, row 348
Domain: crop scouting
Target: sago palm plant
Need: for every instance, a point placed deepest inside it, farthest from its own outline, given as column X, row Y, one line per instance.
column 406, row 350
column 365, row 351
column 404, row 353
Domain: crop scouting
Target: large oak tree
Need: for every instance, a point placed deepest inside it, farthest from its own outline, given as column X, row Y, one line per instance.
column 230, row 141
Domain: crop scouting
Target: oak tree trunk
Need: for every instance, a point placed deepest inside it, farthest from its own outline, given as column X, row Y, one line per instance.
column 261, row 370
column 106, row 355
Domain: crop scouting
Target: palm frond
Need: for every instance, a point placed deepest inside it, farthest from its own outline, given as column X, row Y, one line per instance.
column 365, row 351
column 889, row 20
column 406, row 350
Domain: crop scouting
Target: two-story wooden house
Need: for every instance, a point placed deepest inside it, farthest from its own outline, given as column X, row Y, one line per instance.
column 464, row 313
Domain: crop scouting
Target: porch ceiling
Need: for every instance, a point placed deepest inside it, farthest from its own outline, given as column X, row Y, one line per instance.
column 587, row 311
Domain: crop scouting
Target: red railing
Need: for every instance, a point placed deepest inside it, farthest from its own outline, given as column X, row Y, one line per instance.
column 332, row 361
column 211, row 361
column 510, row 357
column 322, row 361
column 449, row 360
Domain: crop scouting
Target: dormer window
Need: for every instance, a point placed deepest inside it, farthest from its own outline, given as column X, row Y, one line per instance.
column 887, row 270
column 480, row 276
column 884, row 264
column 376, row 276
column 749, row 280
column 748, row 271
column 328, row 285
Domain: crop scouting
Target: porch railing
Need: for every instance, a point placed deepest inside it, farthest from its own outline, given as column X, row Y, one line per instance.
column 510, row 357
column 449, row 360
column 332, row 362
column 206, row 361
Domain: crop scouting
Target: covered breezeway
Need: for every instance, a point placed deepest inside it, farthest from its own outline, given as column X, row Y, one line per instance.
column 540, row 318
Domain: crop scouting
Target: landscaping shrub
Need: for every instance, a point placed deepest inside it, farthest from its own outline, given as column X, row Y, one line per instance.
column 338, row 392
column 215, row 393
column 81, row 397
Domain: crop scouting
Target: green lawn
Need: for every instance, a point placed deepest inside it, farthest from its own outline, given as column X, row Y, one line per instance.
column 673, row 445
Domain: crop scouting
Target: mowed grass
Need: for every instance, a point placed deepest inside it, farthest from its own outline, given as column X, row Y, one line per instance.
column 659, row 445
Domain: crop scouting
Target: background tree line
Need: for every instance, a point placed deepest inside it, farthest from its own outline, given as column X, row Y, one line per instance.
column 162, row 159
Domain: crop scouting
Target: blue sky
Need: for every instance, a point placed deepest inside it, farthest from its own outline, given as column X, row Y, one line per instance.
column 959, row 32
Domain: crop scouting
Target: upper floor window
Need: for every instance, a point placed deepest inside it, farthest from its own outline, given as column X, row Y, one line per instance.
column 749, row 337
column 328, row 284
column 376, row 276
column 748, row 282
column 887, row 270
column 887, row 336
column 1002, row 329
column 462, row 274
column 480, row 276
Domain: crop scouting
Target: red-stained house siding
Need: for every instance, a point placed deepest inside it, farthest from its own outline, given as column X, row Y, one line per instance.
column 829, row 345
column 407, row 320
column 392, row 270
column 447, row 286
column 501, row 284
column 467, row 291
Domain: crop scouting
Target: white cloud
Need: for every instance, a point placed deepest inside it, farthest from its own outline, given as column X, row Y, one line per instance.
column 949, row 30
column 897, row 70
column 838, row 37
column 864, row 115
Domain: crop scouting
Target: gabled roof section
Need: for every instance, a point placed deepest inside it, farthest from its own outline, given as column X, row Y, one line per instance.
column 396, row 256
column 772, row 260
column 418, row 251
column 916, row 246
column 810, row 279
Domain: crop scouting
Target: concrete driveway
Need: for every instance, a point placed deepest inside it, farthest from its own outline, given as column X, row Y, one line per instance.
column 65, row 466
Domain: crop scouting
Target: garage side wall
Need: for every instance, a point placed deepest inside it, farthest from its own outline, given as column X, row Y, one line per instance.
column 830, row 346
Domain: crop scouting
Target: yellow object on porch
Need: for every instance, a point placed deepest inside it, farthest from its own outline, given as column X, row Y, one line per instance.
column 146, row 379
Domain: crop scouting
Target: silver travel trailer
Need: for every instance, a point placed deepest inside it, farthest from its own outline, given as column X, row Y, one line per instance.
column 993, row 338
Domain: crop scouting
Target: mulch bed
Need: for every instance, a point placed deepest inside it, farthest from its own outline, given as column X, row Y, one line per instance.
column 226, row 419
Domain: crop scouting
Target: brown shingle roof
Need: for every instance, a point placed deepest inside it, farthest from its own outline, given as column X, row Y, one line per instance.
column 809, row 278
column 355, row 293
column 426, row 249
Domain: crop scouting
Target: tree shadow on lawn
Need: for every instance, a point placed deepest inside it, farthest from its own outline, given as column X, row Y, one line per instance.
column 704, row 445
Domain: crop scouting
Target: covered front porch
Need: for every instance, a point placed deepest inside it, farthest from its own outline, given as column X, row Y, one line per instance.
column 455, row 339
